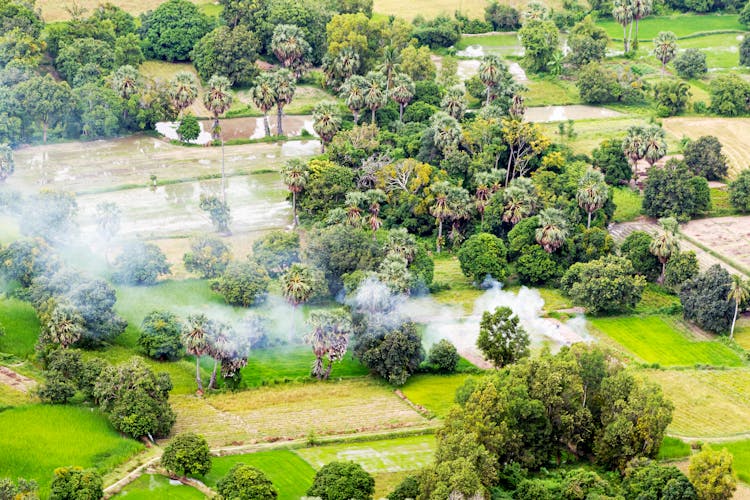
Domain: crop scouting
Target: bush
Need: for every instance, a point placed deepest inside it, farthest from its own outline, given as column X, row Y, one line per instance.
column 704, row 300
column 598, row 85
column 635, row 248
column 74, row 483
column 242, row 284
column 704, row 157
column 739, row 192
column 730, row 95
column 140, row 264
column 245, row 482
column 394, row 355
column 608, row 284
column 502, row 17
column 187, row 454
column 160, row 336
column 673, row 191
column 535, row 266
column 671, row 97
column 483, row 255
column 228, row 52
column 443, row 357
column 208, row 257
column 439, row 32
column 502, row 339
column 171, row 31
column 276, row 251
column 691, row 64
column 342, row 481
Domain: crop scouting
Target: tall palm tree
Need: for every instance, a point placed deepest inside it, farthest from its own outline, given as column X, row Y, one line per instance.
column 391, row 62
column 195, row 339
column 219, row 337
column 641, row 9
column 353, row 203
column 217, row 100
column 622, row 12
column 454, row 102
column 326, row 122
column 441, row 209
column 401, row 243
column 739, row 293
column 286, row 86
column 633, row 146
column 447, row 131
column 183, row 90
column 665, row 48
column 353, row 92
column 295, row 174
column 264, row 96
column 553, row 229
column 376, row 93
column 665, row 245
column 108, row 219
column 290, row 48
column 297, row 286
column 491, row 72
column 488, row 183
column 125, row 81
column 520, row 200
column 374, row 198
column 65, row 325
column 329, row 338
column 402, row 92
column 592, row 193
column 654, row 145
column 339, row 68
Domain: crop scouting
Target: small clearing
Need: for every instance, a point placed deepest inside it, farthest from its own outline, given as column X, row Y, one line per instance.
column 547, row 114
column 15, row 380
column 728, row 236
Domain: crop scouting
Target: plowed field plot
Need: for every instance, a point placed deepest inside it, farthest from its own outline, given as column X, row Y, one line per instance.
column 727, row 236
column 734, row 134
column 708, row 403
column 294, row 412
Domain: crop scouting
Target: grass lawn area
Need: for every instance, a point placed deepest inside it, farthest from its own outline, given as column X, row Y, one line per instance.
column 434, row 392
column 157, row 486
column 721, row 50
column 305, row 99
column 387, row 455
column 656, row 300
column 708, row 403
column 37, row 439
column 673, row 448
column 21, row 326
column 12, row 397
column 720, row 206
column 590, row 133
column 659, row 339
column 291, row 475
column 548, row 92
column 489, row 41
column 461, row 292
column 629, row 204
column 742, row 333
column 681, row 24
column 741, row 452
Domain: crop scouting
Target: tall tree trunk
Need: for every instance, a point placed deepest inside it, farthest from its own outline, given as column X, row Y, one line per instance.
column 267, row 125
column 372, row 115
column 44, row 131
column 212, row 383
column 355, row 115
column 295, row 221
column 588, row 225
column 663, row 272
column 625, row 38
column 198, row 373
column 279, row 130
column 328, row 370
column 734, row 320
column 401, row 112
column 223, row 177
column 487, row 99
column 440, row 234
column 630, row 36
column 635, row 40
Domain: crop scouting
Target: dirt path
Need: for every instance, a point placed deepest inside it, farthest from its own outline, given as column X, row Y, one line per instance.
column 15, row 380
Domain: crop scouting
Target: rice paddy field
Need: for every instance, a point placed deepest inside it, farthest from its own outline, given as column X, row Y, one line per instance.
column 682, row 25
column 436, row 393
column 150, row 486
column 21, row 327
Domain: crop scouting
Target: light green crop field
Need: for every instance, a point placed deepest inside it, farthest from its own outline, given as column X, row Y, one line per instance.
column 21, row 327
column 12, row 397
column 722, row 50
column 682, row 25
column 290, row 474
column 150, row 486
column 490, row 41
column 629, row 204
column 740, row 450
column 388, row 455
column 673, row 448
column 590, row 133
column 660, row 339
column 548, row 92
column 39, row 438
column 434, row 392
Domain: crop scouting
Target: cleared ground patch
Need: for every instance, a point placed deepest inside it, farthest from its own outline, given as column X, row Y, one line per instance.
column 58, row 11
column 660, row 339
column 708, row 403
column 434, row 392
column 290, row 474
column 734, row 134
column 37, row 439
column 727, row 236
column 294, row 411
column 150, row 486
column 388, row 455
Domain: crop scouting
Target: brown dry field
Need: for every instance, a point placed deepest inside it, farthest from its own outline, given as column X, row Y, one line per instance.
column 734, row 134
column 293, row 412
column 57, row 11
column 728, row 236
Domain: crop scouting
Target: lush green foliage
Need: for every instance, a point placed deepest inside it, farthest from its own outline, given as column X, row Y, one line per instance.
column 160, row 336
column 711, row 473
column 739, row 192
column 501, row 339
column 73, row 483
column 187, row 454
column 208, row 257
column 673, row 191
column 229, row 52
column 242, row 284
column 140, row 264
column 483, row 255
column 342, row 481
column 608, row 284
column 691, row 64
column 704, row 157
column 443, row 357
column 246, row 482
column 171, row 30
column 704, row 300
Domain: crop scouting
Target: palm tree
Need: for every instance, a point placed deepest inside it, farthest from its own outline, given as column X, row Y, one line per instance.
column 665, row 245
column 454, row 102
column 488, row 183
column 447, row 131
column 440, row 209
column 633, row 146
column 665, row 48
column 353, row 203
column 521, row 200
column 285, row 85
column 374, row 198
column 622, row 12
column 297, row 286
column 195, row 339
column 65, row 325
column 402, row 92
column 401, row 243
column 183, row 90
column 264, row 96
column 592, row 193
column 338, row 69
column 329, row 338
column 391, row 61
column 108, row 219
column 553, row 229
column 326, row 122
column 376, row 93
column 295, row 174
column 7, row 162
column 219, row 337
column 290, row 48
column 654, row 145
column 217, row 100
column 739, row 293
column 641, row 9
column 491, row 72
column 353, row 92
column 125, row 81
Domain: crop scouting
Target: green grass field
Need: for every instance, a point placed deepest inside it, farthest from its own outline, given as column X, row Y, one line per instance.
column 434, row 392
column 673, row 448
column 12, row 397
column 656, row 300
column 39, row 438
column 741, row 452
column 388, row 455
column 628, row 203
column 549, row 91
column 720, row 205
column 21, row 326
column 291, row 475
column 659, row 339
column 681, row 24
column 150, row 486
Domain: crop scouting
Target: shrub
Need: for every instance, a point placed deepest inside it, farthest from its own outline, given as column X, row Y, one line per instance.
column 228, row 52
column 245, row 482
column 671, row 97
column 608, row 284
column 483, row 255
column 160, row 336
column 635, row 248
column 704, row 300
column 730, row 95
column 691, row 64
column 502, row 17
column 739, row 192
column 745, row 52
column 208, row 257
column 712, row 475
column 187, row 454
column 394, row 354
column 276, row 251
column 342, row 481
column 704, row 157
column 407, row 489
column 673, row 191
column 242, row 284
column 189, row 129
column 140, row 264
column 598, row 85
column 74, row 483
column 535, row 266
column 443, row 357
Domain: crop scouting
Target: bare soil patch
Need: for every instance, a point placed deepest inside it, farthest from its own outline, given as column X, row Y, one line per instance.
column 15, row 380
column 728, row 236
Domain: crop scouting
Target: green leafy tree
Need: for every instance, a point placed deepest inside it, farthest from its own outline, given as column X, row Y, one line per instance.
column 264, row 96
column 394, row 354
column 729, row 95
column 342, row 481
column 189, row 128
column 276, row 251
column 691, row 63
column 711, row 473
column 704, row 157
column 187, row 454
column 44, row 101
column 739, row 192
column 502, row 339
column 245, row 482
column 326, row 122
column 80, row 55
column 744, row 53
column 610, row 159
column 171, row 30
column 587, row 42
column 417, row 63
column 443, row 357
column 483, row 255
column 680, row 268
column 665, row 48
column 671, row 97
column 218, row 211
column 242, row 284
column 227, row 51
column 7, row 162
column 673, row 191
column 553, row 229
column 23, row 489
column 646, row 478
column 160, row 336
column 592, row 193
column 502, row 17
column 705, row 300
column 540, row 40
column 290, row 48
column 665, row 245
column 608, row 284
column 128, row 51
column 208, row 257
column 74, row 483
column 140, row 264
